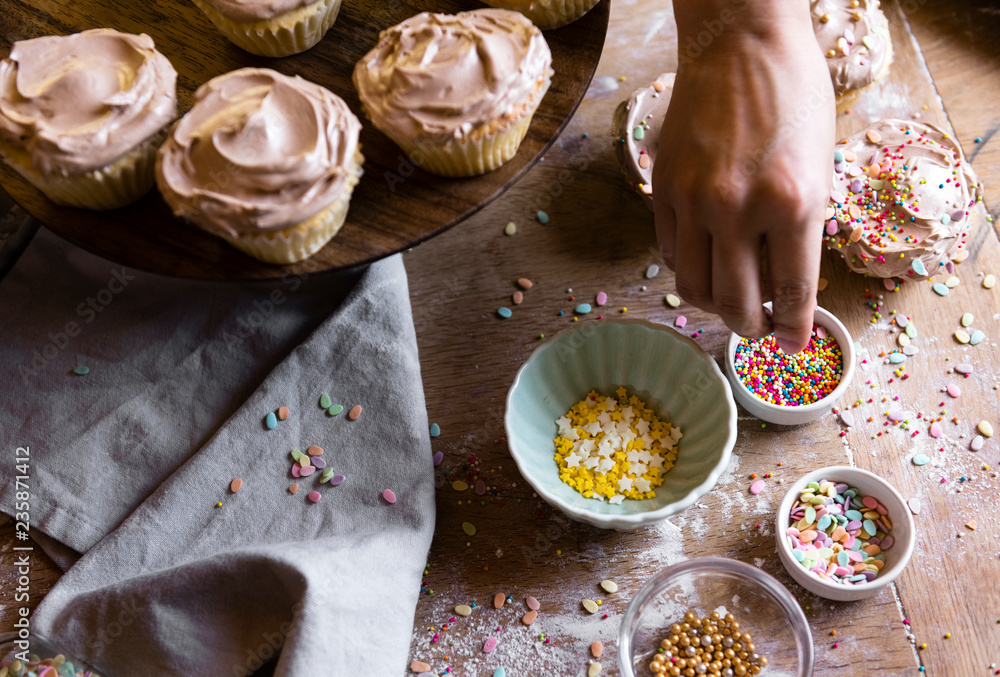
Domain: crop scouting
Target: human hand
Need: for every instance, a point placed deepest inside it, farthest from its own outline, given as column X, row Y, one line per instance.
column 743, row 168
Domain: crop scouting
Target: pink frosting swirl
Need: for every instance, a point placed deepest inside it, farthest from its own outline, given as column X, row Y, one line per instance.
column 258, row 151
column 78, row 102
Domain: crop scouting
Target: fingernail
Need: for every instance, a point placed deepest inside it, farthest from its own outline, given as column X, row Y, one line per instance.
column 789, row 346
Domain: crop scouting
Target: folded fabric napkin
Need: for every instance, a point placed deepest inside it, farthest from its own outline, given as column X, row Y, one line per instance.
column 130, row 461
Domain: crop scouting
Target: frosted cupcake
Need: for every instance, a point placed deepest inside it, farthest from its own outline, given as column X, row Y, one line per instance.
column 81, row 116
column 854, row 35
column 265, row 161
column 547, row 14
column 272, row 27
column 637, row 125
column 456, row 92
column 902, row 202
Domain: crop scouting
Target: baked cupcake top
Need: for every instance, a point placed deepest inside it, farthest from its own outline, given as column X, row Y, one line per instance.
column 902, row 200
column 74, row 103
column 255, row 10
column 258, row 151
column 637, row 125
column 854, row 35
column 441, row 76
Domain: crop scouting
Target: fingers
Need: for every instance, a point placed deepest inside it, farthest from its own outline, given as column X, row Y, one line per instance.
column 693, row 260
column 666, row 232
column 736, row 290
column 793, row 272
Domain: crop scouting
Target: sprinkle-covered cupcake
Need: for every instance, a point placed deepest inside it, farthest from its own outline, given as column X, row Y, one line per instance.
column 637, row 125
column 854, row 35
column 547, row 14
column 272, row 27
column 265, row 161
column 456, row 92
column 902, row 202
column 81, row 116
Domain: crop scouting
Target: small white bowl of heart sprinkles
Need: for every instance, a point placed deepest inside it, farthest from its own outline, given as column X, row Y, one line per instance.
column 620, row 423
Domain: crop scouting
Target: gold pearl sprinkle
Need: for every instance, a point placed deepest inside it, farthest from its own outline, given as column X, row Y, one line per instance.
column 824, row 19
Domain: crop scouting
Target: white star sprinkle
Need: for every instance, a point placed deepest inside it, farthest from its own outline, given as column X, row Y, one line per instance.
column 625, row 483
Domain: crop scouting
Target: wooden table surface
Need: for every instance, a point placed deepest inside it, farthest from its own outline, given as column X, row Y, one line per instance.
column 600, row 238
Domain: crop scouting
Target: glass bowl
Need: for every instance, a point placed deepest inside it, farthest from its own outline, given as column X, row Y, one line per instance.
column 763, row 607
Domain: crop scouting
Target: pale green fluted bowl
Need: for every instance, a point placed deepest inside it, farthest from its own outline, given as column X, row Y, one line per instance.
column 669, row 372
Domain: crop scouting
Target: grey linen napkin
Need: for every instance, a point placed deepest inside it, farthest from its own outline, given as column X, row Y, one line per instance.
column 129, row 461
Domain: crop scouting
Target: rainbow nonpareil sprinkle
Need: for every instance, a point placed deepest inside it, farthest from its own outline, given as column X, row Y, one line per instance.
column 790, row 380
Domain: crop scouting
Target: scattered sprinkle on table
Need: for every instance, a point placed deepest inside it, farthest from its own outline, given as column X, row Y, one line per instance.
column 236, row 485
column 510, row 228
column 271, row 421
column 989, row 281
column 529, row 618
column 525, row 283
column 324, row 401
column 389, row 496
column 583, row 309
column 652, row 271
column 601, row 298
column 961, row 336
column 590, row 605
column 941, row 289
column 680, row 322
column 790, row 380
column 463, row 609
column 469, row 528
column 837, row 534
column 336, row 479
column 81, row 370
column 697, row 641
column 500, row 672
column 498, row 600
column 419, row 666
column 599, row 462
column 977, row 443
column 921, row 459
column 335, row 409
column 594, row 670
column 976, row 338
column 543, row 218
column 672, row 300
column 438, row 458
column 967, row 319
column 517, row 298
column 596, row 649
column 757, row 487
column 294, row 488
column 354, row 412
column 971, row 525
column 490, row 644
column 314, row 450
column 532, row 603
column 459, row 485
column 504, row 312
column 609, row 586
column 314, row 496
column 435, row 430
column 914, row 505
column 953, row 390
column 985, row 428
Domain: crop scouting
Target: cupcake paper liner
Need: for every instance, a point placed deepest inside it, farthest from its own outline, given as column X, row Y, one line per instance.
column 283, row 35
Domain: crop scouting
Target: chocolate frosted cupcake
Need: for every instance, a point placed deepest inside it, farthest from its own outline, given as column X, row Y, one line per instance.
column 265, row 161
column 272, row 27
column 902, row 202
column 81, row 116
column 637, row 125
column 854, row 35
column 456, row 92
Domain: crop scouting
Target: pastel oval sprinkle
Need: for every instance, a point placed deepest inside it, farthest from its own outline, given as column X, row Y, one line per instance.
column 652, row 271
column 469, row 528
column 389, row 495
column 952, row 282
column 435, row 430
column 590, row 605
column 967, row 319
column 985, row 428
column 459, row 485
column 295, row 470
column 319, row 462
column 293, row 488
column 914, row 505
column 314, row 450
column 325, row 476
column 594, row 670
column 354, row 412
column 490, row 644
column 335, row 409
column 270, row 421
column 81, row 370
column 529, row 617
column 903, row 340
column 638, row 133
column 306, row 471
column 602, row 298
column 504, row 312
column 921, row 459
column 480, row 487
column 902, row 320
column 510, row 228
column 596, row 649
column 681, row 322
column 757, row 487
column 583, row 308
column 874, row 136
column 961, row 336
column 976, row 338
column 438, row 458
column 889, row 284
column 542, row 217
column 936, row 430
column 846, row 417
column 517, row 298
column 954, row 390
column 897, row 358
column 910, row 351
column 609, row 586
column 282, row 413
column 419, row 666
column 325, row 401
column 989, row 281
column 236, row 485
column 498, row 600
column 500, row 672
column 525, row 283
column 977, row 443
column 336, row 479
column 672, row 300
column 463, row 609
column 940, row 289
column 314, row 496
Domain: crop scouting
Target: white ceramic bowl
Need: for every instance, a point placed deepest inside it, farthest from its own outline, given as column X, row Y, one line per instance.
column 773, row 413
column 669, row 372
column 896, row 558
